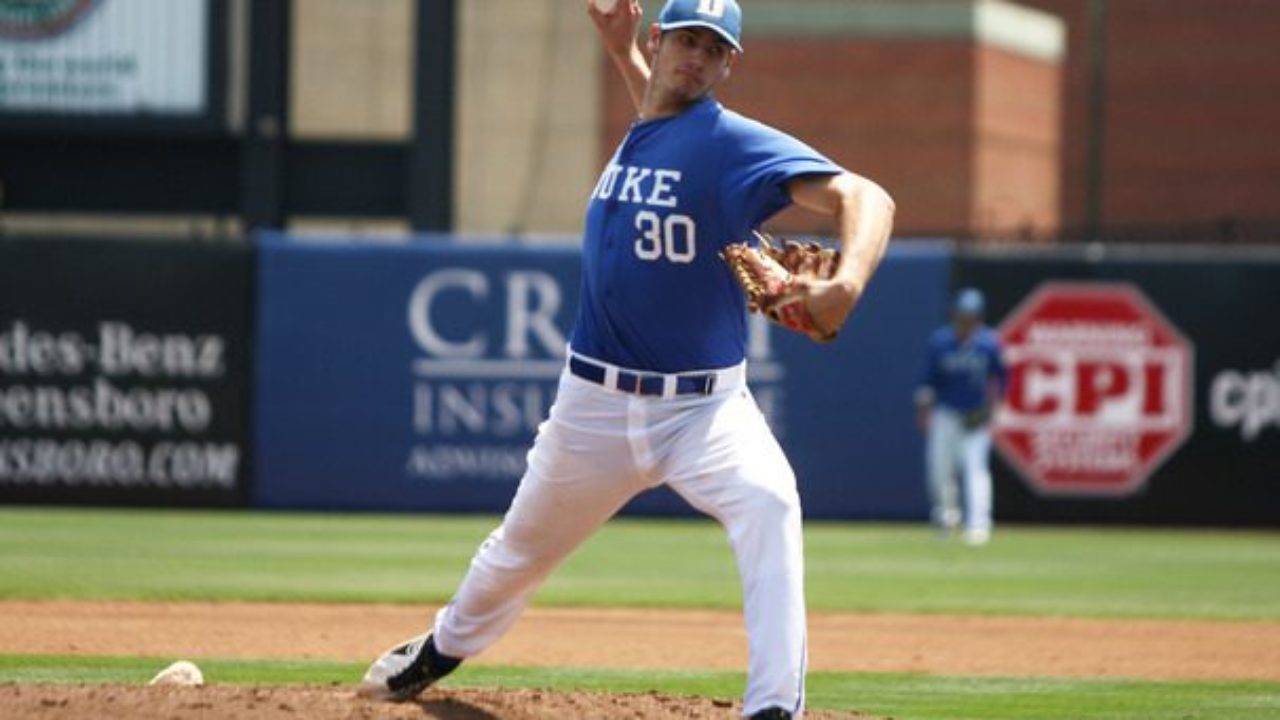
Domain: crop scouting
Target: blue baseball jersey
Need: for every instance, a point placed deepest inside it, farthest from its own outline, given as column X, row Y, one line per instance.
column 655, row 294
column 960, row 372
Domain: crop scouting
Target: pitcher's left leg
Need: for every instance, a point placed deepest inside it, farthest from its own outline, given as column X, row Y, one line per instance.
column 764, row 528
column 741, row 478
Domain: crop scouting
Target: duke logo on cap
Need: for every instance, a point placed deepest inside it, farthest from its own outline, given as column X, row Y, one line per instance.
column 722, row 16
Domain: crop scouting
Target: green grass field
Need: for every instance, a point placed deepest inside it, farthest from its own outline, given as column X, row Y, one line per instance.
column 151, row 555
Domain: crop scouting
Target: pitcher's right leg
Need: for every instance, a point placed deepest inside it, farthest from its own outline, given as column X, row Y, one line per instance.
column 580, row 474
column 548, row 519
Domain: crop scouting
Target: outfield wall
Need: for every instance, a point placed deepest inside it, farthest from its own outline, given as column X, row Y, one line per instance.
column 348, row 374
column 413, row 377
column 124, row 372
column 1196, row 444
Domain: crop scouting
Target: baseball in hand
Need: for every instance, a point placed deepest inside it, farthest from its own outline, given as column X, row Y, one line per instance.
column 605, row 6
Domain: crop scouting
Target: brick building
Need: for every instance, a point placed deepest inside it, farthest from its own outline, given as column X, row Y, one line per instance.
column 1191, row 101
column 980, row 114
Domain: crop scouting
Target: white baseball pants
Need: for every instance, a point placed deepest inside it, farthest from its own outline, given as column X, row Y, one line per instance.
column 952, row 448
column 598, row 449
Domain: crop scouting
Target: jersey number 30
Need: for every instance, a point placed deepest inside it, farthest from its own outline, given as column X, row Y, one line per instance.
column 675, row 237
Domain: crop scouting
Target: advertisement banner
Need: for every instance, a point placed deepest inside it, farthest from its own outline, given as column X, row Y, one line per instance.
column 414, row 377
column 403, row 377
column 94, row 57
column 1144, row 389
column 124, row 372
column 1100, row 389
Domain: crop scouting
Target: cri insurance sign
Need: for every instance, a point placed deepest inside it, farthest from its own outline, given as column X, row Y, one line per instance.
column 1100, row 389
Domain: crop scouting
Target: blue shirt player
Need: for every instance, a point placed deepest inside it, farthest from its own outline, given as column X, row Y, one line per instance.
column 963, row 379
column 654, row 389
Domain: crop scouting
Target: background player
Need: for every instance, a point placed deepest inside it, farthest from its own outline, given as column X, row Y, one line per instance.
column 963, row 381
column 654, row 390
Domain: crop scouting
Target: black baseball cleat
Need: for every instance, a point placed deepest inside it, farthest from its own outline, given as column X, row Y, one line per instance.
column 404, row 671
column 773, row 713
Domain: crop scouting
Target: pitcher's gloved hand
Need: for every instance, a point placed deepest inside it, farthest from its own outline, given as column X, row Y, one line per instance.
column 789, row 284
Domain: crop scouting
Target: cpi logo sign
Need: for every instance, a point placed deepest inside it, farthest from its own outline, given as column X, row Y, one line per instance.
column 1100, row 389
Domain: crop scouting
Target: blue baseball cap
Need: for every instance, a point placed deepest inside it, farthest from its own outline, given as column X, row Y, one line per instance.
column 721, row 16
column 969, row 301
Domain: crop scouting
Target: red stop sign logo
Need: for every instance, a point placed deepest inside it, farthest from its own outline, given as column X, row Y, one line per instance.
column 1100, row 389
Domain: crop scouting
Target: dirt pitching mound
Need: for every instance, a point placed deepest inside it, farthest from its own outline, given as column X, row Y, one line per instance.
column 658, row 638
column 24, row 702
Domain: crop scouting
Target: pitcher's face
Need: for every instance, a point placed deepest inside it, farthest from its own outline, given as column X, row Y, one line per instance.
column 689, row 62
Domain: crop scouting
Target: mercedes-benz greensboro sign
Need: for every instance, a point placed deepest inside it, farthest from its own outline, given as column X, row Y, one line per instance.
column 1100, row 389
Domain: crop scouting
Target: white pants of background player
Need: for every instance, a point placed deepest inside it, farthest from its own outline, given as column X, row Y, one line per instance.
column 601, row 447
column 953, row 449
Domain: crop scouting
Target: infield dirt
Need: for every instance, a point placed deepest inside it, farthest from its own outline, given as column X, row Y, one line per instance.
column 321, row 703
column 585, row 638
column 659, row 638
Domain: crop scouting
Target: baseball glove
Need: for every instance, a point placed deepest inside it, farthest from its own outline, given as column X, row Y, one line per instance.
column 775, row 280
column 975, row 419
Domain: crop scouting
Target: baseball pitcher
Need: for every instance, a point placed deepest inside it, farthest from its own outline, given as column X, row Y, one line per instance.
column 964, row 378
column 654, row 388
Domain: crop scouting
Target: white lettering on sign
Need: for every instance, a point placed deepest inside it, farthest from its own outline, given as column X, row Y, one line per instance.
column 89, row 385
column 1119, row 386
column 120, row 350
column 533, row 299
column 424, row 295
column 124, row 351
column 43, row 462
column 1248, row 400
column 102, row 405
column 504, row 408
